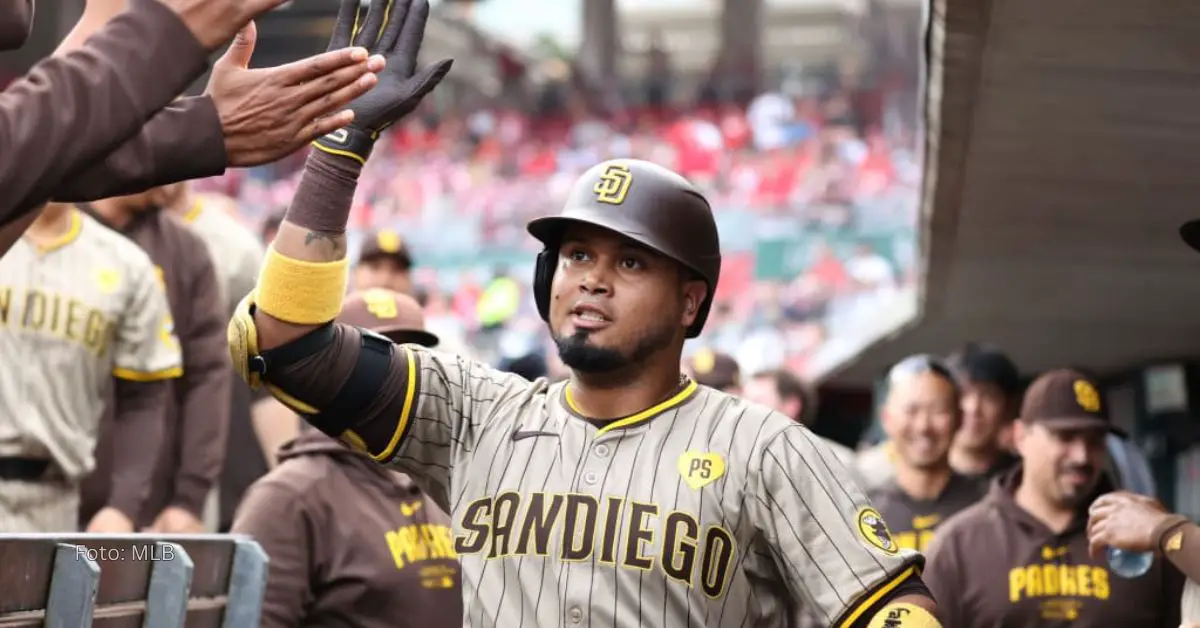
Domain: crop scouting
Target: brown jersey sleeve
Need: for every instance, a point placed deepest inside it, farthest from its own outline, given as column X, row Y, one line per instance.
column 204, row 388
column 183, row 141
column 71, row 110
column 139, row 411
column 427, row 412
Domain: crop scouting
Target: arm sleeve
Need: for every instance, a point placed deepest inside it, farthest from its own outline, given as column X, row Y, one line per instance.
column 830, row 546
column 147, row 348
column 140, row 408
column 183, row 141
column 429, row 409
column 277, row 518
column 204, row 388
column 942, row 573
column 71, row 110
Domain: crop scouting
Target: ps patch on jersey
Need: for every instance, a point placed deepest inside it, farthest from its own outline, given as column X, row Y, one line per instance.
column 874, row 531
column 699, row 469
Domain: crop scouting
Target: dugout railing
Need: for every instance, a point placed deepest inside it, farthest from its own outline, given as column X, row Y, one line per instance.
column 131, row 581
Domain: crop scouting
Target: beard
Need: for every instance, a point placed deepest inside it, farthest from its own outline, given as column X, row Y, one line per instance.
column 579, row 354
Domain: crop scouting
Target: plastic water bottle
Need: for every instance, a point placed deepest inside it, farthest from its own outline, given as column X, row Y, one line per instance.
column 1129, row 564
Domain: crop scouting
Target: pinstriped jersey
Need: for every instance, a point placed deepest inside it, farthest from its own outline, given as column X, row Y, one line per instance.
column 705, row 510
column 73, row 315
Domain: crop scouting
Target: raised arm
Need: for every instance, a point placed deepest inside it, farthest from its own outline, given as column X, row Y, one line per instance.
column 349, row 384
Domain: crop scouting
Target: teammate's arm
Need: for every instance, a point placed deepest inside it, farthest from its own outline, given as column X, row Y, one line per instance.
column 146, row 356
column 831, row 548
column 139, row 408
column 73, row 109
column 204, row 388
column 275, row 516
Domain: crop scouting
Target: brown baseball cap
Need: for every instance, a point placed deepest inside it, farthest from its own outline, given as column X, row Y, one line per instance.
column 714, row 369
column 391, row 314
column 385, row 243
column 1066, row 399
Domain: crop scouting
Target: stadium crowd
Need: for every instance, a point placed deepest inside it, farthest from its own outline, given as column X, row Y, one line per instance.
column 815, row 200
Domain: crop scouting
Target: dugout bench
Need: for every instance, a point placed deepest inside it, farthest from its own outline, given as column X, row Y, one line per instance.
column 131, row 581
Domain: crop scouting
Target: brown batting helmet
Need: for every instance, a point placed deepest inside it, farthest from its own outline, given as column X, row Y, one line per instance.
column 646, row 203
column 395, row 316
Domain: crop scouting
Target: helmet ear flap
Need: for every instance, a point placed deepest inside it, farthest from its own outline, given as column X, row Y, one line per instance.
column 543, row 276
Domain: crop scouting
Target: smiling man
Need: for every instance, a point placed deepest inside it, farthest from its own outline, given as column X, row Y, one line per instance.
column 1020, row 557
column 921, row 417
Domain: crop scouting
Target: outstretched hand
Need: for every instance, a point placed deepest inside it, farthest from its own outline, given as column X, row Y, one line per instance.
column 393, row 29
column 1125, row 521
column 269, row 113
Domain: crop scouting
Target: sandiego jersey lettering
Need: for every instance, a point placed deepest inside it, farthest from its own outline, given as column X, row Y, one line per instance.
column 73, row 315
column 705, row 509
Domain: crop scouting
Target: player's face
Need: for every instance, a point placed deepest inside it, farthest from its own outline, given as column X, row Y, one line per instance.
column 615, row 303
column 382, row 273
column 920, row 418
column 986, row 416
column 1063, row 465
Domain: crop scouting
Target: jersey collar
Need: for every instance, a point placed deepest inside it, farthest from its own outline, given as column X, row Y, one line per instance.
column 687, row 390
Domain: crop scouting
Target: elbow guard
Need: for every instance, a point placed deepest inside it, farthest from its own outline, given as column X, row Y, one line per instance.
column 345, row 407
column 903, row 615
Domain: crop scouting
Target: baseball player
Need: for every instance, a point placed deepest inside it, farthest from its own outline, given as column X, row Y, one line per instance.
column 780, row 390
column 79, row 304
column 198, row 417
column 1021, row 556
column 921, row 416
column 391, row 563
column 384, row 261
column 625, row 496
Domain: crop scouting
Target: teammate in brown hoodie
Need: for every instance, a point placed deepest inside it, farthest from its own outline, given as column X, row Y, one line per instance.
column 1020, row 558
column 352, row 543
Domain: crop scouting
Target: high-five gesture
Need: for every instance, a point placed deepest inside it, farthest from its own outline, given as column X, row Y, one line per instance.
column 393, row 29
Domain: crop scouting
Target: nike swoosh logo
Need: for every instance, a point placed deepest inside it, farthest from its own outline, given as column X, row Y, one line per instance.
column 534, row 434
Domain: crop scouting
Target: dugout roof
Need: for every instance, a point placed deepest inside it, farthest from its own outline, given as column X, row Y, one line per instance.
column 1063, row 153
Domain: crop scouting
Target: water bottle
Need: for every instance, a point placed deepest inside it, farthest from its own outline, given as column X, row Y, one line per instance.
column 1129, row 564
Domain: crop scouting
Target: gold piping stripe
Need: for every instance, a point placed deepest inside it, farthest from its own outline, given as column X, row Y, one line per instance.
column 642, row 416
column 66, row 238
column 131, row 375
column 194, row 212
column 410, row 394
column 869, row 601
column 343, row 153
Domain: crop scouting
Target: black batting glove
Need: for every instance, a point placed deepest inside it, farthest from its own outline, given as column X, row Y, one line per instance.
column 393, row 29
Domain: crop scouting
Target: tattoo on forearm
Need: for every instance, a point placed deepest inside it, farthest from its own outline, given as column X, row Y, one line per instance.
column 335, row 243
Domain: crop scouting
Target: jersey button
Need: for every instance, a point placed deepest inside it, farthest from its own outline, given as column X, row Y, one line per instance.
column 590, row 477
column 602, row 450
column 576, row 615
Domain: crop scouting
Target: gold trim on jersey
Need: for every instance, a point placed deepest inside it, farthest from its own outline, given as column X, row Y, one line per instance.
column 70, row 236
column 865, row 604
column 410, row 395
column 131, row 375
column 645, row 415
column 194, row 211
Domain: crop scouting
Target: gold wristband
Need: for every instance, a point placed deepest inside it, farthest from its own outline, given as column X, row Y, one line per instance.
column 299, row 292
